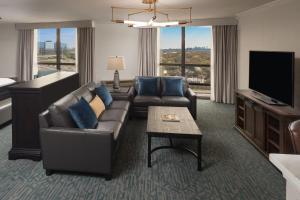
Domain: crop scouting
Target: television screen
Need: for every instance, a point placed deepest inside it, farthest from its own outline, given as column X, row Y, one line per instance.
column 272, row 74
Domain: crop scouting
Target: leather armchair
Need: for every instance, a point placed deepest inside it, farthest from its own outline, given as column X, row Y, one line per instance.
column 294, row 129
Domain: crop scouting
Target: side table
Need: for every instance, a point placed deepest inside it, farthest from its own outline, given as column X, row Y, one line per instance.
column 120, row 94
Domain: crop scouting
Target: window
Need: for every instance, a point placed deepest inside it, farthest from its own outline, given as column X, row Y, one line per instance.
column 186, row 51
column 56, row 51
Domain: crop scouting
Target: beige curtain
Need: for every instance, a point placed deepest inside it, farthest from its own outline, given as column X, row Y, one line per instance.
column 25, row 54
column 225, row 63
column 86, row 49
column 147, row 51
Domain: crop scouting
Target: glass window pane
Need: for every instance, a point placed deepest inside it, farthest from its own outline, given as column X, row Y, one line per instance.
column 44, row 69
column 68, row 67
column 198, row 75
column 46, row 46
column 199, row 79
column 198, row 40
column 170, row 45
column 68, row 49
column 67, row 45
column 46, row 57
column 170, row 70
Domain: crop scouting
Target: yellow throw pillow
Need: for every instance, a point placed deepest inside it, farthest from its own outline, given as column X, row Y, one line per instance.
column 97, row 105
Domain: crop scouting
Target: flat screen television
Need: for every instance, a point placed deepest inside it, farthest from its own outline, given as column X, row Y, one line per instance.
column 272, row 74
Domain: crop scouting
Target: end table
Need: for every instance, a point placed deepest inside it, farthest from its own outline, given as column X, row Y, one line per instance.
column 121, row 94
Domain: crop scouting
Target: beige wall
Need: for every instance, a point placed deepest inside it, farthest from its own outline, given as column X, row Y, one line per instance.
column 115, row 40
column 8, row 50
column 272, row 27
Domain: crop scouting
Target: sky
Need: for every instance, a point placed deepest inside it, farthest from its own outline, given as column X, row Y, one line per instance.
column 195, row 36
column 67, row 35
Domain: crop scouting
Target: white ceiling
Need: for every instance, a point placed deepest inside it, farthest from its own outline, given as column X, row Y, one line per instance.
column 99, row 10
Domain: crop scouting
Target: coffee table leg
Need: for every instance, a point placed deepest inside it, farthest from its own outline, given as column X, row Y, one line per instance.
column 199, row 154
column 149, row 151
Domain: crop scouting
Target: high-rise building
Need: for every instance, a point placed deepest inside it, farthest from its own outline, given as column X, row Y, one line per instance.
column 49, row 45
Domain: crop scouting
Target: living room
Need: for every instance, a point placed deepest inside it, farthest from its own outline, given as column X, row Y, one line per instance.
column 149, row 99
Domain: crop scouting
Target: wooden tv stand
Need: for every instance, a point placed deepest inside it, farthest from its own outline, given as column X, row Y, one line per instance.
column 263, row 125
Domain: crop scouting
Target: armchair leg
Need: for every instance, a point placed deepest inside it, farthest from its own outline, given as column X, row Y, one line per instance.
column 49, row 172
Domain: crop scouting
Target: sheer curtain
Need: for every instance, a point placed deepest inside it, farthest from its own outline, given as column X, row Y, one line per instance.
column 25, row 54
column 147, row 57
column 86, row 50
column 225, row 39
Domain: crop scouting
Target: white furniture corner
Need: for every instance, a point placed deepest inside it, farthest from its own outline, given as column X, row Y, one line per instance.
column 289, row 165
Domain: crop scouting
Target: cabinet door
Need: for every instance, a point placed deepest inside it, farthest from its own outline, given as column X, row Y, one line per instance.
column 249, row 119
column 259, row 132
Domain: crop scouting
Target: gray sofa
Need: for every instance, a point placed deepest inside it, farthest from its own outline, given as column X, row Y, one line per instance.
column 67, row 148
column 140, row 103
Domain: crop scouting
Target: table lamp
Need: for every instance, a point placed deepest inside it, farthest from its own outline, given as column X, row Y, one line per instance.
column 116, row 63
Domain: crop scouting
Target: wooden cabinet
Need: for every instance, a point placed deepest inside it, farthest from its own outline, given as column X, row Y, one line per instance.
column 249, row 116
column 263, row 125
column 259, row 127
column 29, row 99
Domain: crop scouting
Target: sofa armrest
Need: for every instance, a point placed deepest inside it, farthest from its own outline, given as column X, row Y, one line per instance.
column 73, row 149
column 190, row 94
column 44, row 119
column 131, row 93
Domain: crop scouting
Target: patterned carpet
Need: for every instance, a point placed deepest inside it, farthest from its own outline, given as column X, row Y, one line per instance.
column 233, row 169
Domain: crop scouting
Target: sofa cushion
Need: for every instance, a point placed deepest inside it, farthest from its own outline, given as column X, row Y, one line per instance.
column 59, row 112
column 147, row 101
column 185, row 84
column 147, row 86
column 104, row 94
column 83, row 92
column 175, row 101
column 110, row 126
column 83, row 115
column 113, row 115
column 97, row 105
column 172, row 87
column 136, row 83
column 120, row 105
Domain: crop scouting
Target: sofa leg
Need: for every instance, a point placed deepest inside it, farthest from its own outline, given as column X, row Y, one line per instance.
column 108, row 177
column 49, row 172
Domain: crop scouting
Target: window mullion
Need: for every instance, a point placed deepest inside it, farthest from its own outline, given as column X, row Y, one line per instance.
column 58, row 53
column 183, row 51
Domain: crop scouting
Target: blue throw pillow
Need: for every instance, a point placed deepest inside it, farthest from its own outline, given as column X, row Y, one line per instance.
column 147, row 86
column 172, row 87
column 83, row 115
column 104, row 94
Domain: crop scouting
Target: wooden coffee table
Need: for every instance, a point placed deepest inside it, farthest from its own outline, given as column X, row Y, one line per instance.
column 185, row 128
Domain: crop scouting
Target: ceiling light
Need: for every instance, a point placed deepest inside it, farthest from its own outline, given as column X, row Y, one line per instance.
column 153, row 22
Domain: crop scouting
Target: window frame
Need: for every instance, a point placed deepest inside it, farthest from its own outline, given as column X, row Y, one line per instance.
column 183, row 65
column 58, row 54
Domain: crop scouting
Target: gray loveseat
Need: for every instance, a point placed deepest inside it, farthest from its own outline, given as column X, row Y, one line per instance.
column 68, row 148
column 140, row 103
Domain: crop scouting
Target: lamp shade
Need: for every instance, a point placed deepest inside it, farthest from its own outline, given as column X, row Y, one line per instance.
column 115, row 63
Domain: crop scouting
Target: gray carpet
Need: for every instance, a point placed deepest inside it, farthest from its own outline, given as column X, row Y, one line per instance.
column 233, row 169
